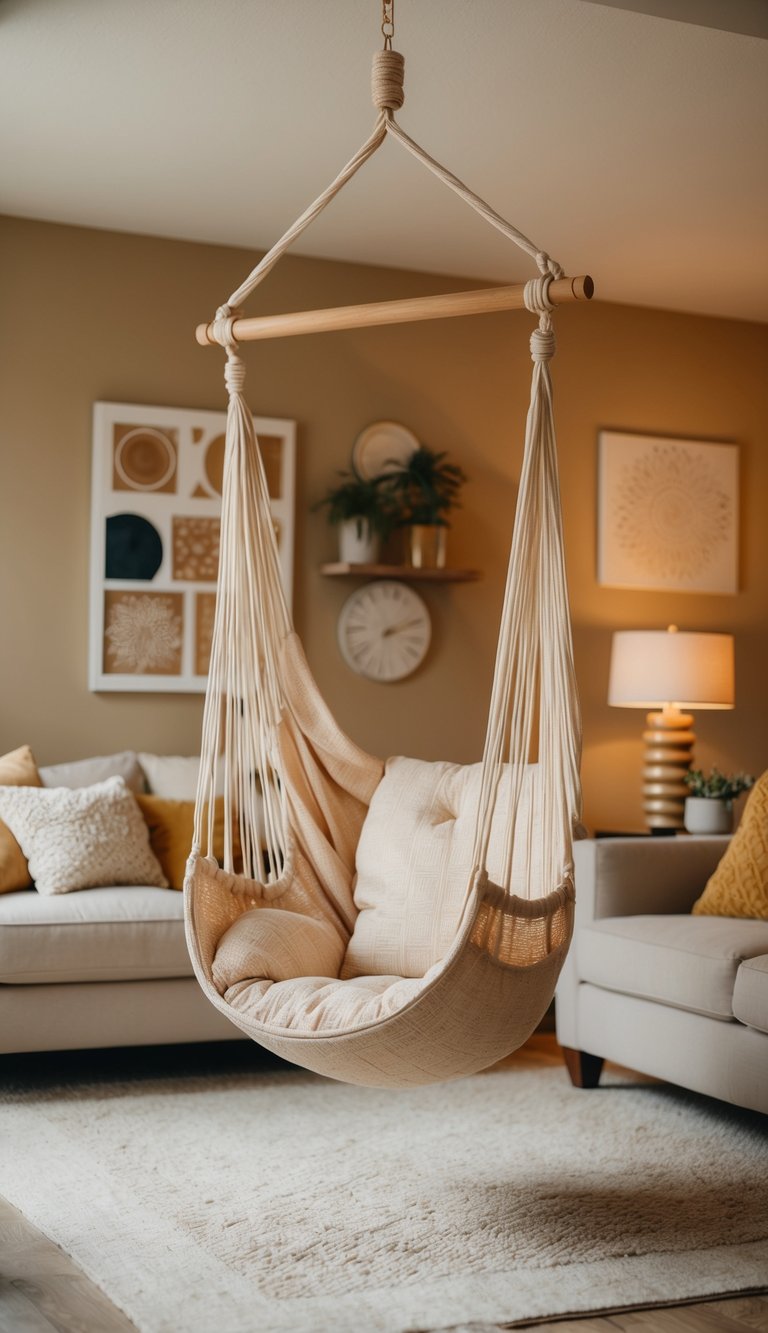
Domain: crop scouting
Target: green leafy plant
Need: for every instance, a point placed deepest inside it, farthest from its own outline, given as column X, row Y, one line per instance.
column 425, row 489
column 716, row 786
column 365, row 501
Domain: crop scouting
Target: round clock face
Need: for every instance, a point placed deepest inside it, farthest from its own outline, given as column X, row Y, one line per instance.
column 384, row 631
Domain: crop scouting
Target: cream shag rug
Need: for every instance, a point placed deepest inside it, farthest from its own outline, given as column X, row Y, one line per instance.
column 282, row 1202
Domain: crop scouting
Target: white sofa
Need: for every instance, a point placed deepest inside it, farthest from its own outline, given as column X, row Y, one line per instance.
column 105, row 966
column 683, row 998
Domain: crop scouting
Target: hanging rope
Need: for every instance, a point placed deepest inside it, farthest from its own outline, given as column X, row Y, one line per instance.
column 534, row 677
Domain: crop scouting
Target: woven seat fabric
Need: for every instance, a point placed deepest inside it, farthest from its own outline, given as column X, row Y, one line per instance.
column 472, row 1009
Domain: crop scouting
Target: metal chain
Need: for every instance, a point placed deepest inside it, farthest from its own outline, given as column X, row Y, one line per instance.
column 387, row 22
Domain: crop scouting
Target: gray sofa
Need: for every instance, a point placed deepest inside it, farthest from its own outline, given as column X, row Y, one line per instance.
column 683, row 998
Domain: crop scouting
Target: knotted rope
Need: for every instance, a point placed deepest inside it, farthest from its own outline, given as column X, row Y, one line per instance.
column 387, row 93
column 387, row 77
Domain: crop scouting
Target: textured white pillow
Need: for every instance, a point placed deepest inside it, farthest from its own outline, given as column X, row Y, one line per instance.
column 174, row 776
column 414, row 862
column 81, row 838
column 86, row 772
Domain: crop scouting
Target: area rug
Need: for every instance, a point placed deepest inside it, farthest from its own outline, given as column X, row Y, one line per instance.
column 281, row 1202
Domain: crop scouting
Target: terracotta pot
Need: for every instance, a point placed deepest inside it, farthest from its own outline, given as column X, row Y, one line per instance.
column 426, row 546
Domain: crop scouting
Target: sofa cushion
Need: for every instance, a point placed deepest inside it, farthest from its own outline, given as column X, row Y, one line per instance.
column 739, row 886
column 86, row 772
column 112, row 934
column 414, row 862
column 174, row 776
column 82, row 838
column 750, row 994
column 689, row 962
column 17, row 769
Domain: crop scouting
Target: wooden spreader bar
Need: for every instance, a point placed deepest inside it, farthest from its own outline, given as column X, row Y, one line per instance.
column 483, row 302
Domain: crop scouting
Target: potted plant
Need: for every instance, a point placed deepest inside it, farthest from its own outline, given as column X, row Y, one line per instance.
column 709, row 808
column 362, row 511
column 425, row 489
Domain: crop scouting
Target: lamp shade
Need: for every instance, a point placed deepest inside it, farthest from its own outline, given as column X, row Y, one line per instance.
column 650, row 668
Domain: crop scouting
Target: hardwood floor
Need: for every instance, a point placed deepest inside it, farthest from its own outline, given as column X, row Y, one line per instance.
column 43, row 1291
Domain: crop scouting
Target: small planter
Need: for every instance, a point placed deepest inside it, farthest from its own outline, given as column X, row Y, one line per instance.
column 358, row 544
column 426, row 545
column 706, row 814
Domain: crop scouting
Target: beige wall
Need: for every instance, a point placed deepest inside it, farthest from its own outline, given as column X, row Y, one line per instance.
column 89, row 315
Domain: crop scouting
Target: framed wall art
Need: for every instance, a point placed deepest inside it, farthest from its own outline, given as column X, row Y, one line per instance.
column 668, row 514
column 155, row 514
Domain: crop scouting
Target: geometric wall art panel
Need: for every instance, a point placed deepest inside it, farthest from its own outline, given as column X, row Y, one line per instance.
column 155, row 525
column 668, row 514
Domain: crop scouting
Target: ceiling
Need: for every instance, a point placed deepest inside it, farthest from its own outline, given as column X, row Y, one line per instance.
column 630, row 146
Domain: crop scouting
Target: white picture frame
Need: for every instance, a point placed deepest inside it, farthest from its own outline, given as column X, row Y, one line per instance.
column 155, row 515
column 667, row 513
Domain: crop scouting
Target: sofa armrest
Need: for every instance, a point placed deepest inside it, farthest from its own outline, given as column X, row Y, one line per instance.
column 642, row 876
column 629, row 877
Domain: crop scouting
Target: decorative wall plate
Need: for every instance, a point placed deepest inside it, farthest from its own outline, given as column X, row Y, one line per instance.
column 381, row 448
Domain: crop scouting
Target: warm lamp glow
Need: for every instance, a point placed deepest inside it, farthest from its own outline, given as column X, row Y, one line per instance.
column 650, row 668
column 669, row 670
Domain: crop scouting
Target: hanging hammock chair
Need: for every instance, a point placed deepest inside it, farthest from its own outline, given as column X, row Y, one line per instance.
column 399, row 923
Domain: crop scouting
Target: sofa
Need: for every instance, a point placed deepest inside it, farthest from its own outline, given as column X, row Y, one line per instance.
column 104, row 966
column 649, row 986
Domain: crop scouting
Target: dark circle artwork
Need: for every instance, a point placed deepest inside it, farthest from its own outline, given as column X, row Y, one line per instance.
column 134, row 548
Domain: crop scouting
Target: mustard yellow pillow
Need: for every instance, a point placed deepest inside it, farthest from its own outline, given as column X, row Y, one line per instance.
column 17, row 769
column 739, row 886
column 171, row 829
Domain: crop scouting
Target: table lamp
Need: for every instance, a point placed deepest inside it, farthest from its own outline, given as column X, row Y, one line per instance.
column 669, row 670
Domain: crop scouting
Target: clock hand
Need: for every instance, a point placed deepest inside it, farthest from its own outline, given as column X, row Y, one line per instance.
column 400, row 626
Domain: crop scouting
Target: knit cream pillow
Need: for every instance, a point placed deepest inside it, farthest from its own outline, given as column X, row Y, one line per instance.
column 81, row 838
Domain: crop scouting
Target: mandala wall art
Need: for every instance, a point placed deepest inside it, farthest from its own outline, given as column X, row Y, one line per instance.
column 668, row 514
column 155, row 515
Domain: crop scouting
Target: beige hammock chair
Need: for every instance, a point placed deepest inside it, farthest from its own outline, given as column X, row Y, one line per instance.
column 388, row 924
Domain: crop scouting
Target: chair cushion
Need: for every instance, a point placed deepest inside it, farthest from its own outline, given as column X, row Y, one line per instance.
column 316, row 1004
column 81, row 838
column 17, row 769
column 111, row 934
column 739, row 886
column 86, row 772
column 269, row 944
column 750, row 994
column 689, row 962
column 414, row 863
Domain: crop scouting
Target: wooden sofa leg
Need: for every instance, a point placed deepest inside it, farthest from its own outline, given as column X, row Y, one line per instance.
column 584, row 1069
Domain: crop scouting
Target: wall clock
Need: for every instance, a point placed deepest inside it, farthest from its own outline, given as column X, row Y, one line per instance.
column 384, row 631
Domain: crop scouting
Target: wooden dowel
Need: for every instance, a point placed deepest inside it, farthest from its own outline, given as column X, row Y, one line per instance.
column 483, row 302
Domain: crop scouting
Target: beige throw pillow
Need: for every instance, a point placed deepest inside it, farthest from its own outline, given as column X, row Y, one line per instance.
column 81, row 838
column 17, row 769
column 414, row 862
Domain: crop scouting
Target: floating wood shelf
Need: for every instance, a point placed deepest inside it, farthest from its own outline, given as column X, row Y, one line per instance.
column 340, row 570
